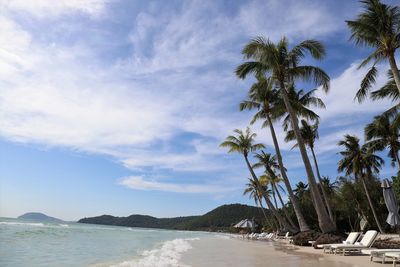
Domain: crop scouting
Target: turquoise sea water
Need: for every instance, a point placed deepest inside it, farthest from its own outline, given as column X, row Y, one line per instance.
column 27, row 243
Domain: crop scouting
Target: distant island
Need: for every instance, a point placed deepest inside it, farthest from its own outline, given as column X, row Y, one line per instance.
column 37, row 216
column 219, row 219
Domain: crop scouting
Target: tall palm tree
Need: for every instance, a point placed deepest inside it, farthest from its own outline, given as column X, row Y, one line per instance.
column 377, row 26
column 265, row 98
column 285, row 67
column 253, row 192
column 361, row 162
column 384, row 133
column 243, row 143
column 310, row 134
column 268, row 161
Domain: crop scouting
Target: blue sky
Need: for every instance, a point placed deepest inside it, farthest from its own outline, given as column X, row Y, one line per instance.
column 118, row 107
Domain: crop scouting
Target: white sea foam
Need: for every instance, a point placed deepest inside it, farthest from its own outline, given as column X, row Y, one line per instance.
column 23, row 223
column 168, row 255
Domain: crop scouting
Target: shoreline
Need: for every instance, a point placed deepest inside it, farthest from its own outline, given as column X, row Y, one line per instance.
column 232, row 251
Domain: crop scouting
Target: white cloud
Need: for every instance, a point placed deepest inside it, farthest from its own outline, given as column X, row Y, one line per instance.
column 45, row 8
column 57, row 94
column 340, row 99
column 139, row 183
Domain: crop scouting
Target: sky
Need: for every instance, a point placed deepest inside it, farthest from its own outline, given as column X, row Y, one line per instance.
column 118, row 107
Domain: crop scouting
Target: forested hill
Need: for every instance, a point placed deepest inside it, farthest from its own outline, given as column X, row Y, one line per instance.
column 220, row 218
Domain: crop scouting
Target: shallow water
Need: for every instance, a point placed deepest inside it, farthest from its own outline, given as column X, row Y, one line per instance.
column 25, row 243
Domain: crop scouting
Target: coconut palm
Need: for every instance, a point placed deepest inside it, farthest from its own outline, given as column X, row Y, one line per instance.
column 253, row 192
column 268, row 162
column 301, row 103
column 384, row 133
column 243, row 143
column 377, row 26
column 265, row 98
column 360, row 161
column 284, row 67
column 301, row 189
column 310, row 134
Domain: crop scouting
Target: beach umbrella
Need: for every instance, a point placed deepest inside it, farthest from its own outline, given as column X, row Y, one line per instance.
column 391, row 203
column 238, row 224
column 246, row 223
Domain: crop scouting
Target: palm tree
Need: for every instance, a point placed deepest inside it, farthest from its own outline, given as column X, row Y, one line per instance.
column 361, row 162
column 377, row 26
column 264, row 98
column 285, row 67
column 254, row 193
column 268, row 161
column 310, row 134
column 301, row 189
column 384, row 133
column 243, row 143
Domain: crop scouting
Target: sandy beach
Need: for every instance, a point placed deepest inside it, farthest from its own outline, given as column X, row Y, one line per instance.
column 228, row 251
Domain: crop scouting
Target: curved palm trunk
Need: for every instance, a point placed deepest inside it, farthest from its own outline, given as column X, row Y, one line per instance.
column 274, row 197
column 324, row 194
column 279, row 218
column 265, row 215
column 284, row 207
column 299, row 215
column 325, row 223
column 395, row 71
column 396, row 155
column 371, row 205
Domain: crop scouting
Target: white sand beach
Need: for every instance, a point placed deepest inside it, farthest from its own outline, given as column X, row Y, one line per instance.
column 217, row 251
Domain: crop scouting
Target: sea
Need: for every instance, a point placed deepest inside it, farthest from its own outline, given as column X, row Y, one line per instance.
column 29, row 243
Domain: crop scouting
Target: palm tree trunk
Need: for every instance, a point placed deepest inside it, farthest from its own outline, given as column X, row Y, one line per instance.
column 284, row 207
column 371, row 205
column 324, row 194
column 274, row 197
column 395, row 71
column 265, row 215
column 299, row 215
column 396, row 154
column 279, row 218
column 325, row 223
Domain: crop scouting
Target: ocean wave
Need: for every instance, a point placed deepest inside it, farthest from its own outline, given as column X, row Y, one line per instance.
column 23, row 223
column 168, row 255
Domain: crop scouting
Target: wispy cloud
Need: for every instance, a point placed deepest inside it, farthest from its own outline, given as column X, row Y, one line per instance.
column 139, row 183
column 45, row 8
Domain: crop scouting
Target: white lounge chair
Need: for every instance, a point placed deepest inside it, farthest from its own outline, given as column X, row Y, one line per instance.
column 351, row 239
column 379, row 253
column 366, row 242
column 395, row 256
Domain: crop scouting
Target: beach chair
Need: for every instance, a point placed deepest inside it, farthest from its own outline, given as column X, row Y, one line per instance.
column 379, row 253
column 351, row 239
column 366, row 242
column 395, row 256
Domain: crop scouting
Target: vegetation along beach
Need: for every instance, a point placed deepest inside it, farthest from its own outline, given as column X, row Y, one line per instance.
column 199, row 133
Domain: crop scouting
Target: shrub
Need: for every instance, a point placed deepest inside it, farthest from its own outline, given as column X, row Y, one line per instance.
column 328, row 238
column 387, row 243
column 302, row 238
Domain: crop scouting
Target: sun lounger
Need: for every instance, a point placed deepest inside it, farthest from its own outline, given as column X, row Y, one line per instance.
column 351, row 239
column 379, row 253
column 366, row 242
column 395, row 256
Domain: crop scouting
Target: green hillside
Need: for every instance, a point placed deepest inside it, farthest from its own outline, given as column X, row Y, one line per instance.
column 219, row 219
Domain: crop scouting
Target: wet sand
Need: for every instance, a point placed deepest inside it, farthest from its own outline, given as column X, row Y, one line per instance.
column 219, row 252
